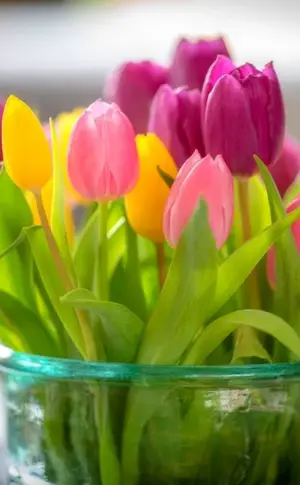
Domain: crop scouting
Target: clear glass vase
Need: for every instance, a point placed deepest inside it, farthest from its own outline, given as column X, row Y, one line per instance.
column 78, row 423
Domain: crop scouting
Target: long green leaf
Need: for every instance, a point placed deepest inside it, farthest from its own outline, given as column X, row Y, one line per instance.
column 216, row 332
column 186, row 296
column 287, row 292
column 122, row 328
column 236, row 268
column 54, row 287
column 58, row 213
column 180, row 313
column 15, row 267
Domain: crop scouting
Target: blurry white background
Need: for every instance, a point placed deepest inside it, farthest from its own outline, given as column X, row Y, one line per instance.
column 57, row 56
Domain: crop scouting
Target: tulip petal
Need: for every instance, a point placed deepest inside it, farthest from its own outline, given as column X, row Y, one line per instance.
column 222, row 65
column 207, row 178
column 276, row 112
column 27, row 155
column 286, row 169
column 228, row 127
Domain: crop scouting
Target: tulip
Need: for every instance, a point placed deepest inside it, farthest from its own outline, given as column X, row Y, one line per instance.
column 46, row 194
column 192, row 60
column 205, row 178
column 26, row 151
column 175, row 117
column 287, row 167
column 145, row 203
column 2, row 104
column 243, row 115
column 271, row 257
column 132, row 87
column 102, row 159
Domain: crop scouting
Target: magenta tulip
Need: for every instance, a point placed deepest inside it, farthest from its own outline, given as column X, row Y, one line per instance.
column 287, row 168
column 205, row 178
column 175, row 117
column 271, row 257
column 192, row 60
column 132, row 87
column 102, row 160
column 243, row 115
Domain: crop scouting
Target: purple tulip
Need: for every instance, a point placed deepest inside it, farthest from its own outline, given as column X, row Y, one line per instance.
column 175, row 117
column 243, row 115
column 192, row 60
column 132, row 87
column 2, row 104
column 287, row 167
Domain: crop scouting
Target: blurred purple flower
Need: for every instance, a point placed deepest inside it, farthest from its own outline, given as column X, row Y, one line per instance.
column 175, row 117
column 243, row 115
column 192, row 60
column 132, row 87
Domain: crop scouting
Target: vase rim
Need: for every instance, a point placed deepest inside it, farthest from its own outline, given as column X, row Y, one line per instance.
column 72, row 369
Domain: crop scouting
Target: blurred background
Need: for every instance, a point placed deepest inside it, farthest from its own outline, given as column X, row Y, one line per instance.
column 56, row 54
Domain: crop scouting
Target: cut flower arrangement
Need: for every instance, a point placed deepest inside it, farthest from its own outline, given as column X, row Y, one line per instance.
column 185, row 254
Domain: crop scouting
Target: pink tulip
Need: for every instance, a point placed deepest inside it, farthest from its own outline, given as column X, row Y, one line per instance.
column 205, row 178
column 287, row 167
column 271, row 260
column 102, row 160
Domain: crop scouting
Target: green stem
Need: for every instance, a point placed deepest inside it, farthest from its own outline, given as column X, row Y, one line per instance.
column 161, row 264
column 90, row 350
column 252, row 283
column 102, row 267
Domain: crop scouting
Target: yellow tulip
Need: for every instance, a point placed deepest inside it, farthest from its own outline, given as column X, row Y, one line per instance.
column 26, row 151
column 146, row 202
column 64, row 124
column 47, row 202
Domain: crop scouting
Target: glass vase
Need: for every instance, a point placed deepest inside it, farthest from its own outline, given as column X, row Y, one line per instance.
column 66, row 422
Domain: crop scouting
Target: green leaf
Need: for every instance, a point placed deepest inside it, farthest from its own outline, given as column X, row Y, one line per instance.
column 287, row 260
column 126, row 283
column 216, row 332
column 122, row 328
column 186, row 296
column 88, row 243
column 58, row 213
column 236, row 268
column 54, row 287
column 15, row 267
column 28, row 325
column 247, row 345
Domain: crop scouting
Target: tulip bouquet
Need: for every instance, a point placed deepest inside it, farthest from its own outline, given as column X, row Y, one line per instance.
column 185, row 251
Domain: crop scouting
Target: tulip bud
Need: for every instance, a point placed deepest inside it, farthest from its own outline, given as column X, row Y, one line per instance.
column 287, row 167
column 26, row 151
column 243, row 115
column 205, row 178
column 192, row 60
column 271, row 256
column 145, row 203
column 2, row 104
column 102, row 159
column 175, row 117
column 132, row 87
